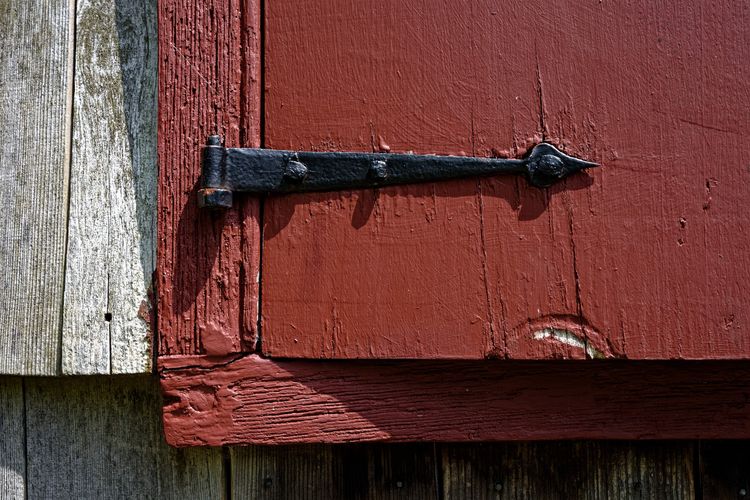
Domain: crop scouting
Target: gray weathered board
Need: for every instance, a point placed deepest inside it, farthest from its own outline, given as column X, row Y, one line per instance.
column 12, row 446
column 35, row 86
column 78, row 159
column 100, row 437
column 111, row 232
column 95, row 437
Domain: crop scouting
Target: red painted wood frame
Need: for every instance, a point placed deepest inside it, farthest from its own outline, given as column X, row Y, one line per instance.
column 646, row 259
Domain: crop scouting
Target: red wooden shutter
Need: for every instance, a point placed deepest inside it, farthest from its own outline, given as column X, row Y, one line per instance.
column 643, row 259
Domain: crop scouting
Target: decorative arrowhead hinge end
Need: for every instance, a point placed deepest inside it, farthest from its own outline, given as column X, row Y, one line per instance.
column 546, row 165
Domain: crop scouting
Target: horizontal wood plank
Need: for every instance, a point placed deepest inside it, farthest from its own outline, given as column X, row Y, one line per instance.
column 107, row 324
column 251, row 400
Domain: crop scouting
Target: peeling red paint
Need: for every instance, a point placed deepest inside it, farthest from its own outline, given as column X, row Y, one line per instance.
column 216, row 341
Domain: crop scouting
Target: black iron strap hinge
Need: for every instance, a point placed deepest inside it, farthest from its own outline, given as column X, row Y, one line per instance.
column 270, row 171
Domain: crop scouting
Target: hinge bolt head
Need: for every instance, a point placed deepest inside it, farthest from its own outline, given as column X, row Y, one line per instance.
column 295, row 171
column 378, row 170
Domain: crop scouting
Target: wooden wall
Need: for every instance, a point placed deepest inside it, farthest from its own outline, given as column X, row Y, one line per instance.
column 78, row 150
column 77, row 121
column 100, row 437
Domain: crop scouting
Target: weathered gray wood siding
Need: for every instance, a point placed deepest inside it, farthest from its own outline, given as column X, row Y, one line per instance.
column 95, row 437
column 12, row 445
column 78, row 160
column 111, row 230
column 35, row 94
column 100, row 437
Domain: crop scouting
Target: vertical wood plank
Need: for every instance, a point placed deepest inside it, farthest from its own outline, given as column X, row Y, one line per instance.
column 12, row 445
column 35, row 63
column 111, row 236
column 208, row 264
column 585, row 470
column 725, row 469
column 662, row 260
column 348, row 471
column 101, row 438
column 394, row 272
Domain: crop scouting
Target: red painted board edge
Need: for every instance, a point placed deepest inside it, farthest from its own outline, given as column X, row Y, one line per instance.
column 244, row 400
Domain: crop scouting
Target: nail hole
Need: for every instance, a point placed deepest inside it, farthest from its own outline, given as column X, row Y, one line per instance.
column 107, row 316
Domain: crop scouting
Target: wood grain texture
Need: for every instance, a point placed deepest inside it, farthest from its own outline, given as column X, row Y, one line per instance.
column 646, row 258
column 661, row 241
column 725, row 469
column 324, row 471
column 34, row 131
column 100, row 438
column 581, row 470
column 208, row 264
column 252, row 400
column 107, row 323
column 12, row 440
